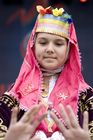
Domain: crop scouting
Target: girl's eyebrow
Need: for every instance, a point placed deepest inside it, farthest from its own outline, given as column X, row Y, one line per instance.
column 59, row 39
column 42, row 38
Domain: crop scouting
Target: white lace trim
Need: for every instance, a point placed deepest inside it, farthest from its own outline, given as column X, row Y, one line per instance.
column 55, row 136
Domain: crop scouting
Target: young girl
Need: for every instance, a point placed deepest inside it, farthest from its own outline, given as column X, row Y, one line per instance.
column 50, row 74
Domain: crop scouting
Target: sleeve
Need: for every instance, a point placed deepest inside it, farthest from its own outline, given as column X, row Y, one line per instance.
column 6, row 104
column 86, row 103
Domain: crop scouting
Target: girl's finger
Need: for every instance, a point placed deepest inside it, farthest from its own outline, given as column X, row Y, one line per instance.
column 38, row 121
column 14, row 116
column 59, row 124
column 30, row 114
column 85, row 121
column 65, row 116
column 73, row 119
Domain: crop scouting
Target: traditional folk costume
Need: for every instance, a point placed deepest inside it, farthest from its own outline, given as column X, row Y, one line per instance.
column 68, row 87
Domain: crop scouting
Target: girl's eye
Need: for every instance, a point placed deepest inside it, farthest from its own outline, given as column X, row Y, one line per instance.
column 59, row 44
column 43, row 43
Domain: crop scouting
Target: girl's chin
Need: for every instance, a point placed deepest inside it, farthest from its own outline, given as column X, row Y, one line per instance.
column 50, row 68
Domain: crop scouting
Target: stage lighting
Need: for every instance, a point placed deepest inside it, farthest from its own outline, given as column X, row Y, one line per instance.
column 83, row 1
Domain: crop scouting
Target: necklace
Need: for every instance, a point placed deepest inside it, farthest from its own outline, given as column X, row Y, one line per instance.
column 44, row 99
column 44, row 90
column 45, row 87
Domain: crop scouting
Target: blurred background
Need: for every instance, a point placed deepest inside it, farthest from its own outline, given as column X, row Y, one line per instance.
column 17, row 19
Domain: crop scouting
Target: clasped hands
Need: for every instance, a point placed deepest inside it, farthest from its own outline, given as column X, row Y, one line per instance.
column 26, row 126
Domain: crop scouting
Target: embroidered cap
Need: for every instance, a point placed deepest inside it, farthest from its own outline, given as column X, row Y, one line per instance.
column 55, row 21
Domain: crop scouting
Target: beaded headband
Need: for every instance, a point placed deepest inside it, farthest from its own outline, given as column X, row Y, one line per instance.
column 54, row 21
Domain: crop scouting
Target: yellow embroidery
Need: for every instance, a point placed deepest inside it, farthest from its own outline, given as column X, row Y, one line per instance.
column 9, row 101
column 90, row 102
column 88, row 105
column 91, row 129
column 81, row 99
column 3, row 129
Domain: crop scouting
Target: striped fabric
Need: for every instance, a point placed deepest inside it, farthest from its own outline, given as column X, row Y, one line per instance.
column 51, row 24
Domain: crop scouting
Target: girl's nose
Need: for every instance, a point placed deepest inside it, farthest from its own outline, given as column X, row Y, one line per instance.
column 49, row 48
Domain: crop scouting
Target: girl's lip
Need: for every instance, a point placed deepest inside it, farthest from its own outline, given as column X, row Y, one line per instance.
column 50, row 57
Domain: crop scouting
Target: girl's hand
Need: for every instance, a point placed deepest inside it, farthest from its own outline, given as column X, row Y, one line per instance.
column 72, row 130
column 25, row 127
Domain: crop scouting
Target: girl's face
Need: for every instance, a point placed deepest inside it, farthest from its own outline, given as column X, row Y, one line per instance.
column 51, row 50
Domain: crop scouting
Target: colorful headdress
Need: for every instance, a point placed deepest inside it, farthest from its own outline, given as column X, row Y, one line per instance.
column 54, row 21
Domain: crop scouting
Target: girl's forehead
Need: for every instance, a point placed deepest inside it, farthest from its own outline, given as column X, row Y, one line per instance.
column 43, row 35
